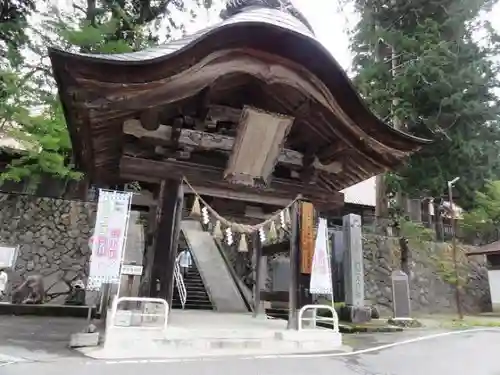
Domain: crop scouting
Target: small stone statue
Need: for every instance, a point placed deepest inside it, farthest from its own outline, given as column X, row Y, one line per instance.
column 77, row 295
column 31, row 291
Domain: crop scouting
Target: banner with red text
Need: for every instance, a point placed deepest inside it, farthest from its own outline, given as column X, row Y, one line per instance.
column 108, row 241
column 321, row 274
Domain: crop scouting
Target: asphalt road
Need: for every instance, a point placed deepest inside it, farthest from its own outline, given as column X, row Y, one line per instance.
column 474, row 352
column 37, row 338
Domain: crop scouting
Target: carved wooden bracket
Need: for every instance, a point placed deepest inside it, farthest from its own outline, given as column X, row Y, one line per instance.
column 223, row 113
column 207, row 180
column 212, row 141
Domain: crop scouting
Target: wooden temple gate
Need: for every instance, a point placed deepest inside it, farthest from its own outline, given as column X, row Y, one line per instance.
column 252, row 111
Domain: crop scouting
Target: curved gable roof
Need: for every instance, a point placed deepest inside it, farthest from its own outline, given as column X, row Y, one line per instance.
column 269, row 30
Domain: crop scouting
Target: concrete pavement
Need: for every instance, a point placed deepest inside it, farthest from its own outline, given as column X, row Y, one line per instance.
column 472, row 352
column 37, row 338
column 193, row 333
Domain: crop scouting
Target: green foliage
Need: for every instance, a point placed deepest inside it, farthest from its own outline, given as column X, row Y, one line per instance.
column 117, row 26
column 416, row 233
column 30, row 111
column 46, row 143
column 420, row 63
column 445, row 267
column 483, row 220
column 13, row 25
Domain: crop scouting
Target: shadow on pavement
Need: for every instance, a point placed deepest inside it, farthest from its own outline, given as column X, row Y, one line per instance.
column 37, row 338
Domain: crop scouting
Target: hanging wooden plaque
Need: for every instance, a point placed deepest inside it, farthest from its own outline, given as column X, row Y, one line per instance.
column 306, row 237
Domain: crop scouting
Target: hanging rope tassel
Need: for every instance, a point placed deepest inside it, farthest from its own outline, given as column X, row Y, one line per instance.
column 196, row 209
column 218, row 231
column 205, row 218
column 262, row 235
column 229, row 236
column 288, row 219
column 273, row 234
column 243, row 246
column 282, row 219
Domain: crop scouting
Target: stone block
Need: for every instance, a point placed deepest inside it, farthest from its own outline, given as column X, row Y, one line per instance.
column 81, row 340
column 123, row 318
column 354, row 314
column 405, row 322
column 496, row 307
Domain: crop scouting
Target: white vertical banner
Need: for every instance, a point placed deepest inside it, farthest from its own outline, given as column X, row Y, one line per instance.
column 109, row 238
column 321, row 275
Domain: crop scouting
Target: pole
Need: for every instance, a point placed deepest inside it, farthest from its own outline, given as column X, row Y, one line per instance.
column 293, row 302
column 258, row 311
column 454, row 251
column 329, row 252
column 124, row 243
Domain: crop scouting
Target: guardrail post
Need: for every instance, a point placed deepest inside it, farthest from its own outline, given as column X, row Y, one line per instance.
column 117, row 301
column 334, row 319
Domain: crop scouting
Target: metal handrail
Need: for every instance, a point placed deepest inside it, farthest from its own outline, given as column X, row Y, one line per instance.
column 238, row 282
column 179, row 282
column 117, row 301
column 315, row 318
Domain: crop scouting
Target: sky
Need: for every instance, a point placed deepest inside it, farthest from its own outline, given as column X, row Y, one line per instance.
column 329, row 23
column 329, row 20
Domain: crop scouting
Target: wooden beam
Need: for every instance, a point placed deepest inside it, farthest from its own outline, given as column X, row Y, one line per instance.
column 258, row 307
column 245, row 196
column 143, row 200
column 274, row 296
column 272, row 200
column 210, row 177
column 150, row 119
column 167, row 234
column 214, row 141
column 223, row 113
column 332, row 152
column 276, row 248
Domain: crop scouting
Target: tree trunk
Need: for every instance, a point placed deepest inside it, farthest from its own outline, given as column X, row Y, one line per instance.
column 381, row 205
column 91, row 12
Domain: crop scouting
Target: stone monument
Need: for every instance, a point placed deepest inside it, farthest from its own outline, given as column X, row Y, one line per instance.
column 401, row 304
column 355, row 309
column 400, row 295
column 337, row 246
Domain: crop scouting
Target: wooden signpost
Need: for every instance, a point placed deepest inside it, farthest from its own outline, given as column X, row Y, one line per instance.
column 306, row 237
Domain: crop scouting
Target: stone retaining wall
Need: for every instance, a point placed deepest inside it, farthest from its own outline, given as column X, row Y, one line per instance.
column 431, row 279
column 52, row 235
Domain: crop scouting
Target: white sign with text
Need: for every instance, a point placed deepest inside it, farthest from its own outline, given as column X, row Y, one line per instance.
column 109, row 237
column 8, row 256
column 321, row 275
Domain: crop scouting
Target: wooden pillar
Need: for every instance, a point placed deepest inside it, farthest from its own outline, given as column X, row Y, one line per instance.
column 147, row 286
column 293, row 305
column 258, row 308
column 166, row 239
column 77, row 189
column 306, row 242
column 174, row 243
column 304, row 298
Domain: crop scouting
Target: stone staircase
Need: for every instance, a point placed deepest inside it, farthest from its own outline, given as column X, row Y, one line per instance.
column 217, row 278
column 277, row 313
column 197, row 296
